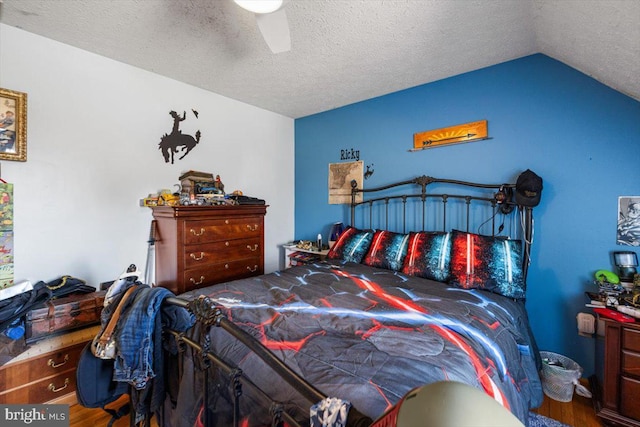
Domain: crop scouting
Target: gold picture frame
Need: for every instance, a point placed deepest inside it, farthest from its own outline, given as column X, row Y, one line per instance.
column 13, row 125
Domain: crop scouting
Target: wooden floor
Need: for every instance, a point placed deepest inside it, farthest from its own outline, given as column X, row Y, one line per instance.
column 577, row 413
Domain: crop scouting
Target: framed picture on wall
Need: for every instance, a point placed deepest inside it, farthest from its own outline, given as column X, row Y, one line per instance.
column 13, row 125
column 628, row 221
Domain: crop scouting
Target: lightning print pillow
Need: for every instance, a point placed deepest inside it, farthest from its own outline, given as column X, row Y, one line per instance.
column 352, row 245
column 387, row 250
column 486, row 262
column 428, row 256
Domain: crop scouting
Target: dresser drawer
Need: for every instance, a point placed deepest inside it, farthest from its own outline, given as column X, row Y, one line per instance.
column 196, row 232
column 45, row 365
column 629, row 398
column 631, row 339
column 219, row 252
column 216, row 273
column 42, row 378
column 631, row 363
column 42, row 391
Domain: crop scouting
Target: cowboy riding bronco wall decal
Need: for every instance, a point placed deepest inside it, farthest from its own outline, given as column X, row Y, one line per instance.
column 169, row 143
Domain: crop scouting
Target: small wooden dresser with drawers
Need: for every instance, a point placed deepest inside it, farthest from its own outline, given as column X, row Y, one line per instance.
column 46, row 372
column 197, row 246
column 620, row 399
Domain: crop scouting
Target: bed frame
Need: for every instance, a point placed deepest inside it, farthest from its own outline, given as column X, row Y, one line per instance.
column 376, row 211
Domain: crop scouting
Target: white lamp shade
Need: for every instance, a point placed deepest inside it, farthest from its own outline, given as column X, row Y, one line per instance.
column 260, row 6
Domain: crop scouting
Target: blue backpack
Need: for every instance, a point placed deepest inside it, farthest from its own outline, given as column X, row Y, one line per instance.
column 95, row 387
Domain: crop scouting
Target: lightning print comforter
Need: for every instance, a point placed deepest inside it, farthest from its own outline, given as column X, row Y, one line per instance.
column 365, row 335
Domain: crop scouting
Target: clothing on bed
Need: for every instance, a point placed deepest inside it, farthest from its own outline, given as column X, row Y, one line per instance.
column 364, row 335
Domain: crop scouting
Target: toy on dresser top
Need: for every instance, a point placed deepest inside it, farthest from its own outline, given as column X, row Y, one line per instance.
column 197, row 188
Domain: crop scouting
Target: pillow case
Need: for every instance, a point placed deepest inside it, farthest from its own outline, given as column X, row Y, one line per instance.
column 486, row 262
column 352, row 245
column 428, row 255
column 387, row 250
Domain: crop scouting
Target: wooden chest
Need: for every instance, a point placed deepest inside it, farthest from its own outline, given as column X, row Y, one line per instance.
column 63, row 315
column 197, row 246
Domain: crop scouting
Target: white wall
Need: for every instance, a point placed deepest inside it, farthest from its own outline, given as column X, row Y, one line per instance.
column 94, row 125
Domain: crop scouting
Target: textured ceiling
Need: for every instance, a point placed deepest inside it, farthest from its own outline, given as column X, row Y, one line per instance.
column 343, row 51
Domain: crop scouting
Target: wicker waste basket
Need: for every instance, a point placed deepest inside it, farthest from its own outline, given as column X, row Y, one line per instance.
column 560, row 377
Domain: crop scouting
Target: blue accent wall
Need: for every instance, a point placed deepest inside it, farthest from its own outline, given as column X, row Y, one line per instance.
column 581, row 137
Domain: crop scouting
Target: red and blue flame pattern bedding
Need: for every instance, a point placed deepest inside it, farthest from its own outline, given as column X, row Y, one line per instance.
column 365, row 335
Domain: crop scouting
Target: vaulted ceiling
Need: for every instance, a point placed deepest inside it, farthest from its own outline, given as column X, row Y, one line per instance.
column 343, row 51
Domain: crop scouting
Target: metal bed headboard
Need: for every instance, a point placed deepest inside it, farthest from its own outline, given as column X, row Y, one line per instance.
column 438, row 208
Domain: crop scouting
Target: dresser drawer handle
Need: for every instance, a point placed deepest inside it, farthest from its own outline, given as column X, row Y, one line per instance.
column 226, row 266
column 255, row 247
column 252, row 227
column 53, row 388
column 53, row 364
column 195, row 233
column 226, row 243
column 226, row 221
column 196, row 257
column 253, row 270
column 199, row 282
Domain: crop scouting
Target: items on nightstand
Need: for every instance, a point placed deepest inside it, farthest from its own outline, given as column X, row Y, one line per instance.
column 336, row 230
column 626, row 262
column 609, row 287
column 617, row 297
column 613, row 314
column 302, row 252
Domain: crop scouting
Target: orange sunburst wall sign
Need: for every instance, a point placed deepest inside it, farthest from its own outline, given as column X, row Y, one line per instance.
column 474, row 131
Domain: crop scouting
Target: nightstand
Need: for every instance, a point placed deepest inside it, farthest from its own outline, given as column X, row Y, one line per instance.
column 294, row 256
column 619, row 368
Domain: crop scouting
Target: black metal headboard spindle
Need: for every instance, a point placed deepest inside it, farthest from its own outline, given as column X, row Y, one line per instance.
column 445, row 199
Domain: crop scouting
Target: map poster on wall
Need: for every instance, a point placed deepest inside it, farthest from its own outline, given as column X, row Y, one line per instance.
column 340, row 177
column 6, row 235
column 6, row 259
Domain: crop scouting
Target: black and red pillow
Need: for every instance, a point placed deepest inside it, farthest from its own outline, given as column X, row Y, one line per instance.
column 428, row 255
column 387, row 250
column 487, row 262
column 352, row 245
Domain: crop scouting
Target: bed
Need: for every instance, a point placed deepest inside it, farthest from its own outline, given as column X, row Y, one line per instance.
column 423, row 286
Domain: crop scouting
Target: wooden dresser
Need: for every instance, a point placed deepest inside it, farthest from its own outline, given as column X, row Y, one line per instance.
column 620, row 393
column 197, row 246
column 46, row 372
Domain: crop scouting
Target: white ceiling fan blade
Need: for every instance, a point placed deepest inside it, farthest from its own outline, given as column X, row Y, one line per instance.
column 275, row 30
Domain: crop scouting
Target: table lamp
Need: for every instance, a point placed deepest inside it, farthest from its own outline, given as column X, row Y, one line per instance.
column 626, row 262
